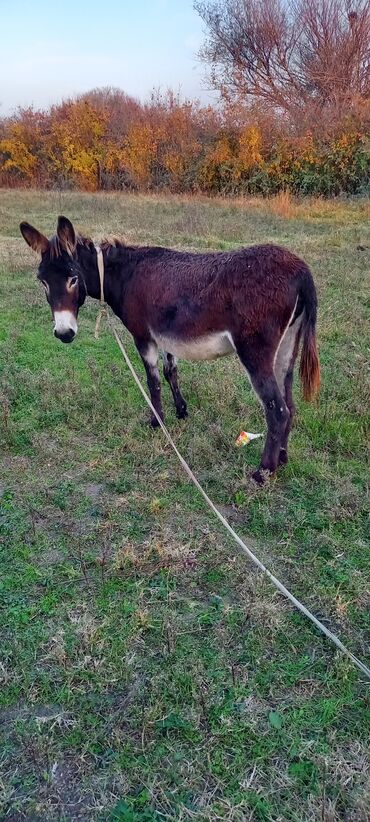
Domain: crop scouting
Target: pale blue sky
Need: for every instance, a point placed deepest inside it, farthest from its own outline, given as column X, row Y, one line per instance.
column 51, row 50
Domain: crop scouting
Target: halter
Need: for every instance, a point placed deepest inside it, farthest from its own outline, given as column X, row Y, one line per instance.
column 100, row 261
column 103, row 305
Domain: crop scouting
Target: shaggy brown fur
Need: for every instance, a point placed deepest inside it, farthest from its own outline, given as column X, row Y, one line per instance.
column 258, row 301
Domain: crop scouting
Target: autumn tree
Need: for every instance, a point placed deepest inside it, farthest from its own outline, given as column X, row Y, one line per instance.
column 76, row 142
column 179, row 138
column 119, row 109
column 163, row 147
column 22, row 147
column 106, row 139
column 308, row 60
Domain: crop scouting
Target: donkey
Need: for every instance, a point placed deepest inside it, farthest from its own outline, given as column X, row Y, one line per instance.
column 259, row 302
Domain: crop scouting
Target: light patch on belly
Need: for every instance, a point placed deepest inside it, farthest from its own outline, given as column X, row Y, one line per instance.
column 209, row 347
column 64, row 321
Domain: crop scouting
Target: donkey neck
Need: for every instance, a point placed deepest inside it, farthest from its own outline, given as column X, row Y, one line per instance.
column 120, row 264
column 87, row 257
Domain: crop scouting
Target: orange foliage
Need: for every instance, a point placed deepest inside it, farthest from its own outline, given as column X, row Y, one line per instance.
column 105, row 139
column 139, row 152
column 22, row 145
column 250, row 147
column 77, row 142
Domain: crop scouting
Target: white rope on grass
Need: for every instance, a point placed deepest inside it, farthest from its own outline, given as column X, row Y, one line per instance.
column 279, row 585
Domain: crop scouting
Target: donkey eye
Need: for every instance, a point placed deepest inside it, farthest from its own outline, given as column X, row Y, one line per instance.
column 45, row 285
column 72, row 281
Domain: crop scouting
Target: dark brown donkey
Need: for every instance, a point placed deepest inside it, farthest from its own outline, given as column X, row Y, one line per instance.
column 258, row 302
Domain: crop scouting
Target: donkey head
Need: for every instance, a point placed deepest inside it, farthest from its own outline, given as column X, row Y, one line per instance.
column 60, row 274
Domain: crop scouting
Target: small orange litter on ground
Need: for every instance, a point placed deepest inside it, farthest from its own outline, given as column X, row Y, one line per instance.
column 245, row 437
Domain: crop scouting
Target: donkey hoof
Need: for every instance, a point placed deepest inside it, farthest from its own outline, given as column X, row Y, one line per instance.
column 154, row 422
column 181, row 413
column 283, row 456
column 261, row 476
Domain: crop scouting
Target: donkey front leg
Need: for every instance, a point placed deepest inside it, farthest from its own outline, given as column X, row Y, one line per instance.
column 149, row 355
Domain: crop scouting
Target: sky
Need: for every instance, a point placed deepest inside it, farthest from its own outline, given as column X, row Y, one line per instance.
column 50, row 50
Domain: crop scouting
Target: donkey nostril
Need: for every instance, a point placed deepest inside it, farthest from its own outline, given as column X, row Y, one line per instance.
column 65, row 336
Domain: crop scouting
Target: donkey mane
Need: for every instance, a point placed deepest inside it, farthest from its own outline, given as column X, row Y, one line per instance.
column 55, row 248
column 112, row 241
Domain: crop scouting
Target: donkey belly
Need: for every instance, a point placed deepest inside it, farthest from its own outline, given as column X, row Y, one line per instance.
column 208, row 347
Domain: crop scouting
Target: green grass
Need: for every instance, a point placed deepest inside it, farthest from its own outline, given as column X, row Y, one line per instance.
column 147, row 670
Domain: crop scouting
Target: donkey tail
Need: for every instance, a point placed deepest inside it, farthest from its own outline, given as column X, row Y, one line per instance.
column 309, row 369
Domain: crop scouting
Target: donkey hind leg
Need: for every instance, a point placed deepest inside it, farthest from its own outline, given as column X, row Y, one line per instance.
column 260, row 368
column 149, row 355
column 284, row 370
column 170, row 373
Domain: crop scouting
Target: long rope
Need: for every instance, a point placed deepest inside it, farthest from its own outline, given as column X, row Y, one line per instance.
column 279, row 585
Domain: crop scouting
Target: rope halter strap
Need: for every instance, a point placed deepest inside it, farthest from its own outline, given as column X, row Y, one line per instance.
column 100, row 262
column 103, row 307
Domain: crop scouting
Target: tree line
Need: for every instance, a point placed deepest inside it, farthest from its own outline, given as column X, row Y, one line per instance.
column 293, row 78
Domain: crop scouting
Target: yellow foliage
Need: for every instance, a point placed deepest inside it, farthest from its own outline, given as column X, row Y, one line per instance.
column 102, row 140
column 220, row 153
column 78, row 146
column 19, row 158
column 250, row 148
column 139, row 151
column 217, row 164
column 19, row 146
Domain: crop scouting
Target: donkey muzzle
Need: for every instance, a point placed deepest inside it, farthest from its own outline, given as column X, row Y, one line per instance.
column 65, row 326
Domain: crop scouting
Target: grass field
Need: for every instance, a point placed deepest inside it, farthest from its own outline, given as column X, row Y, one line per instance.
column 148, row 671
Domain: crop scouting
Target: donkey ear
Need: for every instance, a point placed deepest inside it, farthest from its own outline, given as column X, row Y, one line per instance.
column 66, row 234
column 34, row 238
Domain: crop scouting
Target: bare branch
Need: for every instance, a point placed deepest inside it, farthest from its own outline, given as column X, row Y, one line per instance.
column 297, row 56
